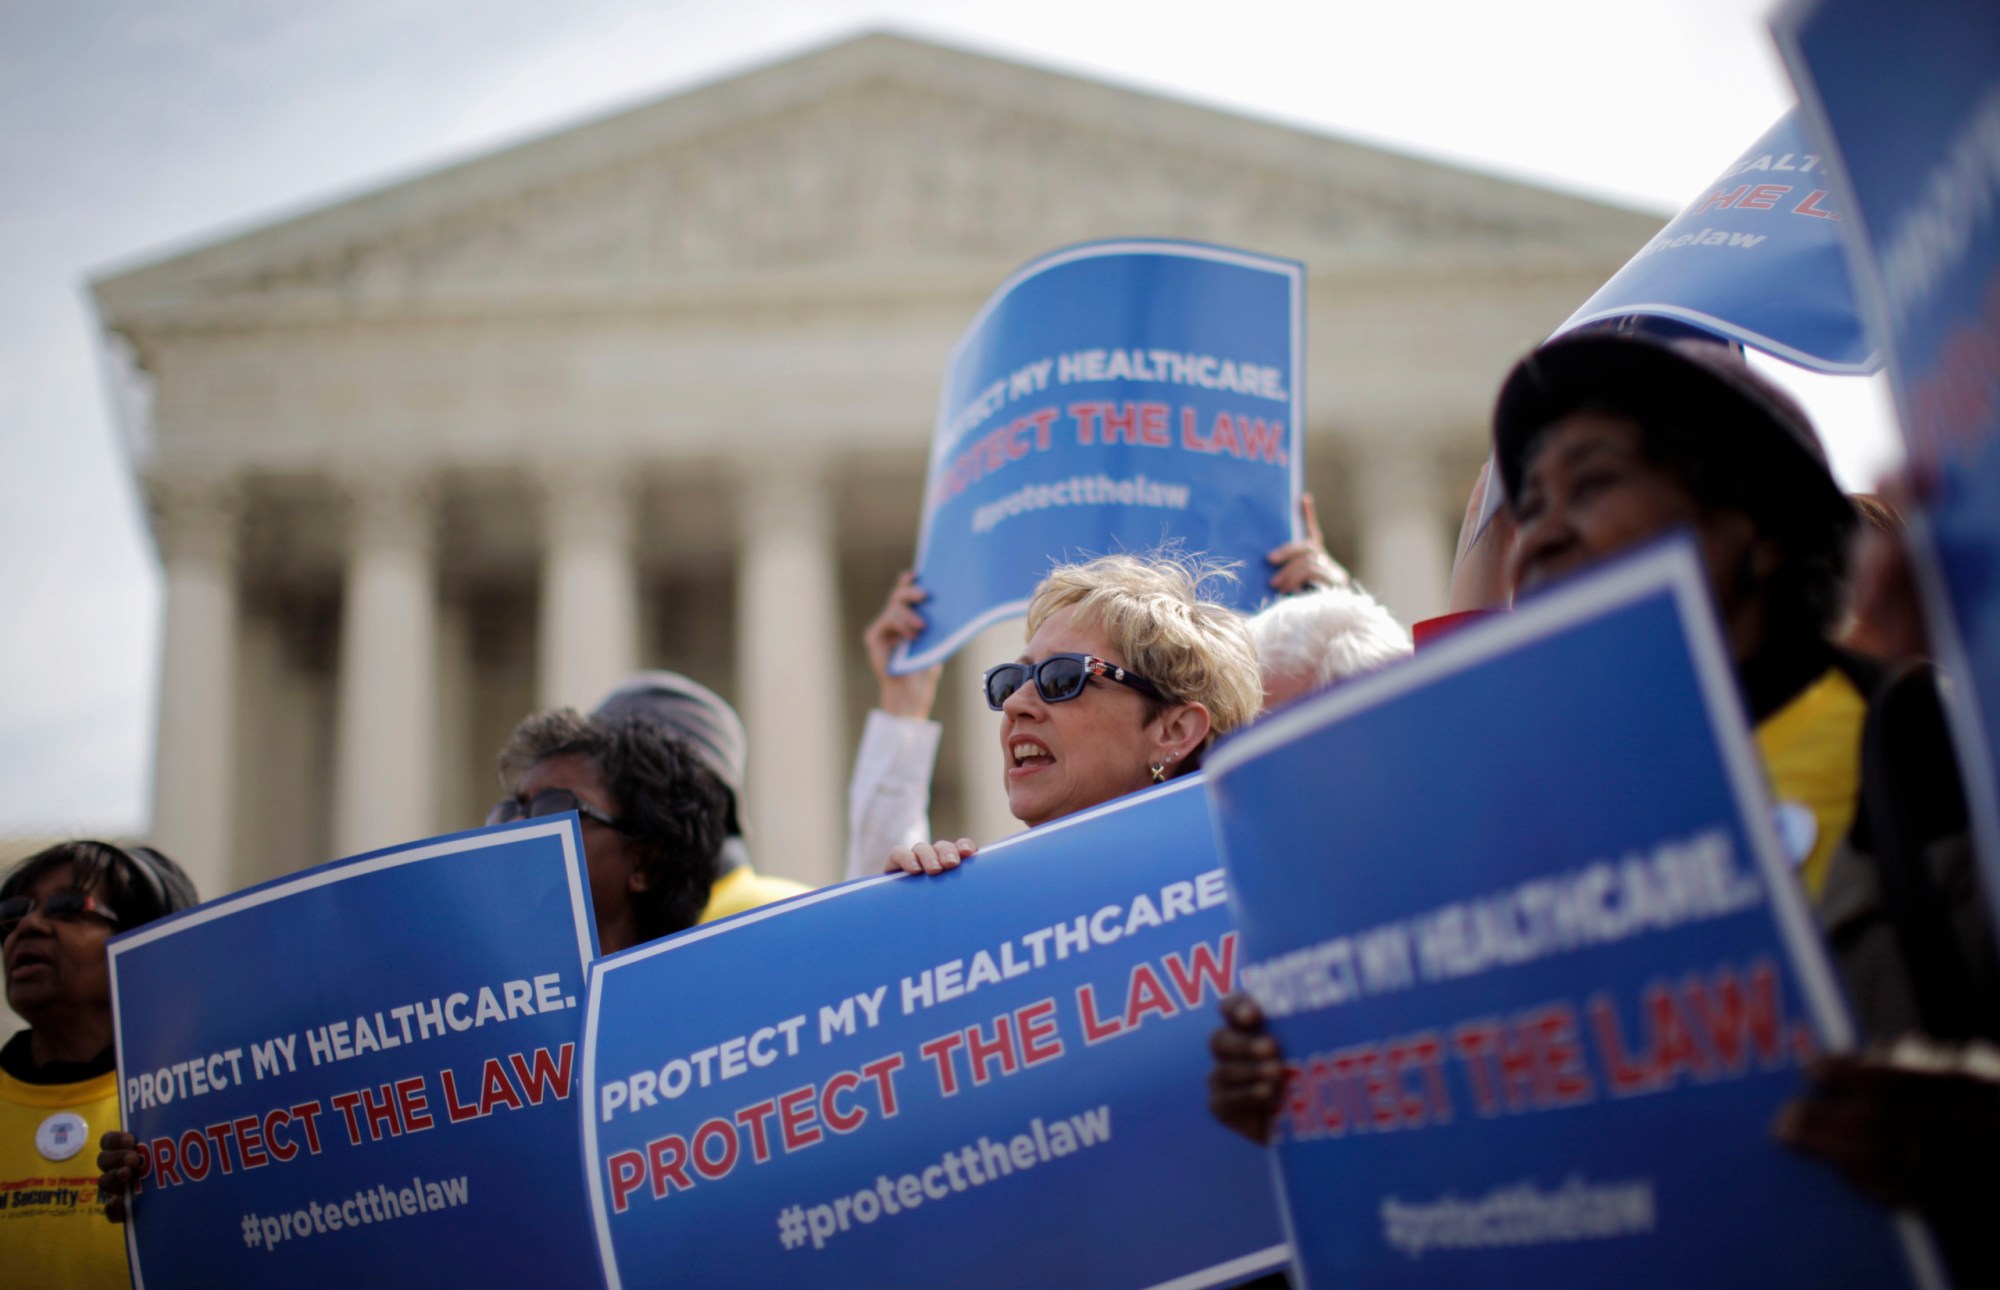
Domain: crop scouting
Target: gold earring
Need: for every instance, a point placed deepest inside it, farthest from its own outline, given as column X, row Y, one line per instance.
column 1159, row 772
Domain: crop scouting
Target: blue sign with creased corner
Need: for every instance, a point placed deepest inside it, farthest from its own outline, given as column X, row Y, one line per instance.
column 1540, row 971
column 994, row 1077
column 364, row 1074
column 1755, row 258
column 1907, row 98
column 1114, row 396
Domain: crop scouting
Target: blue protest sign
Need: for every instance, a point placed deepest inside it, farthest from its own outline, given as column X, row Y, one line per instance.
column 1907, row 99
column 989, row 1078
column 1539, row 967
column 363, row 1074
column 1108, row 397
column 1756, row 258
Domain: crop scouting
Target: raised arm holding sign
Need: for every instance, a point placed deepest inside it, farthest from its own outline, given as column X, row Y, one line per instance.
column 1754, row 258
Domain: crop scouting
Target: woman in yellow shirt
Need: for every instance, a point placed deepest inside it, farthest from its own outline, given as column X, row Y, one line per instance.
column 58, row 1084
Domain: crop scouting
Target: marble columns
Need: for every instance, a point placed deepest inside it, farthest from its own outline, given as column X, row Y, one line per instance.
column 194, row 758
column 589, row 618
column 1406, row 556
column 788, row 672
column 385, row 736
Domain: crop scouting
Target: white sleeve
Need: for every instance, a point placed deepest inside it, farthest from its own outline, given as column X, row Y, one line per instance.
column 889, row 801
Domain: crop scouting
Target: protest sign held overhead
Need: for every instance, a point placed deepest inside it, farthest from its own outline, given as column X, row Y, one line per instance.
column 364, row 1074
column 1110, row 397
column 1755, row 258
column 1539, row 1014
column 989, row 1078
column 1906, row 98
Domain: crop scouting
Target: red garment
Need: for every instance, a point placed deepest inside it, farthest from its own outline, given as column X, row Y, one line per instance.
column 1431, row 630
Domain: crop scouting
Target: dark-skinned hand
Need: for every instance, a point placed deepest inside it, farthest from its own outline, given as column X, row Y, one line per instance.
column 1247, row 1083
column 121, row 1166
column 1928, row 1139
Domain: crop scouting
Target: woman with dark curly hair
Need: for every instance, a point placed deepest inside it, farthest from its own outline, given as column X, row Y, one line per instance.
column 653, row 816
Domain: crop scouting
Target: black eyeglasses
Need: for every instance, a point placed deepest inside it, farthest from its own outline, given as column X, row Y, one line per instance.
column 553, row 802
column 1060, row 678
column 67, row 905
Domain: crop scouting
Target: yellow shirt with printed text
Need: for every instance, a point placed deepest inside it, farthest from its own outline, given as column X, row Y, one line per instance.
column 52, row 1230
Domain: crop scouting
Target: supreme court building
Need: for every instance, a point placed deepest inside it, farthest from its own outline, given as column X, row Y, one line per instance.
column 658, row 391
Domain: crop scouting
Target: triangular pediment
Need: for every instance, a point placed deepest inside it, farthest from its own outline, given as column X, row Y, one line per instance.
column 878, row 153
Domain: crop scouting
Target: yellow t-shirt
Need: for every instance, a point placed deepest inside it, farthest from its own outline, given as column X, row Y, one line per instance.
column 744, row 888
column 52, row 1230
column 1812, row 752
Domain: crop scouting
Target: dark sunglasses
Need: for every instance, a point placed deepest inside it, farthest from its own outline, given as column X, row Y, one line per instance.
column 67, row 905
column 1060, row 678
column 554, row 802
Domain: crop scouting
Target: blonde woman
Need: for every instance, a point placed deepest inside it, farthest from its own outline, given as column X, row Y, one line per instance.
column 1129, row 675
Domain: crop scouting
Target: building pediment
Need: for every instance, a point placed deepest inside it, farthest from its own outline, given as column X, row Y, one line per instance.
column 877, row 159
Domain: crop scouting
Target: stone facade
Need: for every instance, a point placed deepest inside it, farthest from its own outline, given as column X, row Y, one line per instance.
column 657, row 391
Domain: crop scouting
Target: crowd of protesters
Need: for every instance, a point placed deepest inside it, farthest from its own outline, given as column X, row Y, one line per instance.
column 1131, row 672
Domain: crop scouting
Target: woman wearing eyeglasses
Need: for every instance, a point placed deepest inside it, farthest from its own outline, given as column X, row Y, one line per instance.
column 58, row 1082
column 1128, row 676
column 653, row 816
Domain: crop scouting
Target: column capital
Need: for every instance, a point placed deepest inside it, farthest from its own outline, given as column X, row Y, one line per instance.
column 195, row 513
column 387, row 509
column 587, row 501
column 789, row 495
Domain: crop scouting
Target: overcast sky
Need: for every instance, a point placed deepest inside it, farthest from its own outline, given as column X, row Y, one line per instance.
column 135, row 127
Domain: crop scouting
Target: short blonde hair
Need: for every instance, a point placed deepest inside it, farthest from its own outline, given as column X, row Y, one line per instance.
column 1152, row 610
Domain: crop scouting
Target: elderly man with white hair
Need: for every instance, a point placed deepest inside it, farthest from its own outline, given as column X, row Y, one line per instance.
column 1323, row 635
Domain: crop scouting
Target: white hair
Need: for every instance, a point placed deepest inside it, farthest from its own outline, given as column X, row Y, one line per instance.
column 1327, row 634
